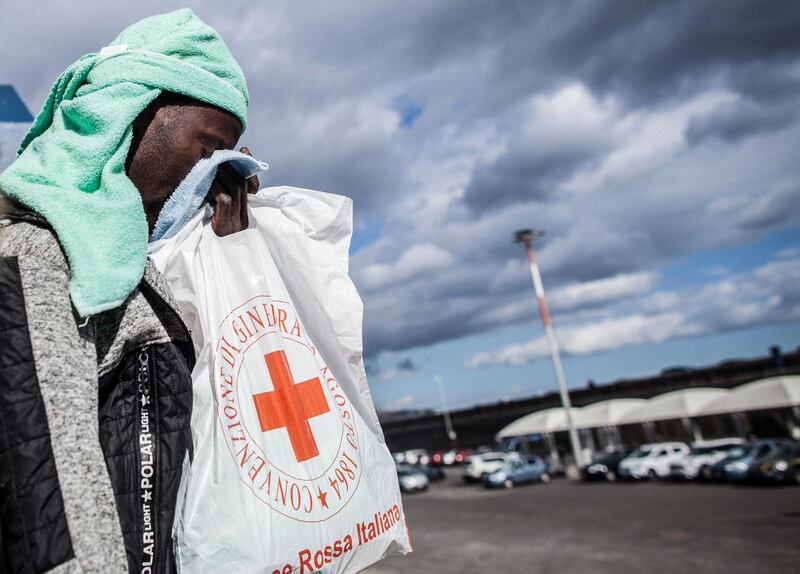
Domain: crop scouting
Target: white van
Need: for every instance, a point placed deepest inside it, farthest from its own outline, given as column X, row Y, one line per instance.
column 487, row 463
column 652, row 460
column 704, row 454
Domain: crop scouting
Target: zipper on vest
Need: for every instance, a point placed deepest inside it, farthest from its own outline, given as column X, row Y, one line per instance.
column 151, row 294
column 147, row 441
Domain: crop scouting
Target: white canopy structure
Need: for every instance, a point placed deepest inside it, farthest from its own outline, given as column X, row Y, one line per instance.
column 775, row 392
column 772, row 393
column 546, row 421
column 604, row 413
column 683, row 403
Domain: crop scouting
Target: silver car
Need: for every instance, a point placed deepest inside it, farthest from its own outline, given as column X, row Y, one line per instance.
column 411, row 479
column 696, row 465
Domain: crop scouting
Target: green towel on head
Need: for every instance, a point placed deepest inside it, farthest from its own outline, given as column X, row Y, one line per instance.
column 71, row 165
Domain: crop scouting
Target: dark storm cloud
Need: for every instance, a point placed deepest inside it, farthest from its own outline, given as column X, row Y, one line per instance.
column 406, row 364
column 663, row 49
column 643, row 53
column 403, row 369
column 523, row 174
column 737, row 120
column 475, row 57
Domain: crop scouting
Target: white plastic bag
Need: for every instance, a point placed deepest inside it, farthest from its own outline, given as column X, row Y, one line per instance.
column 290, row 471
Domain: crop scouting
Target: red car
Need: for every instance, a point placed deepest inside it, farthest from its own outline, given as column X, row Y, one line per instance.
column 449, row 457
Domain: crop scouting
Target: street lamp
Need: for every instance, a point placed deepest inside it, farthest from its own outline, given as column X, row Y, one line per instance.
column 448, row 424
column 526, row 236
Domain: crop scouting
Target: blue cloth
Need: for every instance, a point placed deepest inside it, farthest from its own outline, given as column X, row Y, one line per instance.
column 188, row 197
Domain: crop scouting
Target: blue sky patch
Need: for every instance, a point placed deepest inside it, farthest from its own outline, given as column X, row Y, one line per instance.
column 710, row 264
column 409, row 110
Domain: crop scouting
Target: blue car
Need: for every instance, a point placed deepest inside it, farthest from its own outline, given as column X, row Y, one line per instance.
column 738, row 470
column 517, row 472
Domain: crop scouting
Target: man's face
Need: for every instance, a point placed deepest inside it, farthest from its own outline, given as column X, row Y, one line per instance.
column 169, row 138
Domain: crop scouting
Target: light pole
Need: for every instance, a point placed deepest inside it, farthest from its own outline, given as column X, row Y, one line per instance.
column 448, row 424
column 526, row 236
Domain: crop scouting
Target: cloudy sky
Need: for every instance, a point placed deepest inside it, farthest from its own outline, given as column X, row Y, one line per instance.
column 656, row 143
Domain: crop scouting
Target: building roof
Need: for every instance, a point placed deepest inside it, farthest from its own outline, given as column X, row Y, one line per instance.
column 12, row 108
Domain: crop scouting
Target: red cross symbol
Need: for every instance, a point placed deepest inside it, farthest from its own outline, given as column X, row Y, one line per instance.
column 291, row 405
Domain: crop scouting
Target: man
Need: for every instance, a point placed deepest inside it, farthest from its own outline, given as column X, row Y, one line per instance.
column 95, row 360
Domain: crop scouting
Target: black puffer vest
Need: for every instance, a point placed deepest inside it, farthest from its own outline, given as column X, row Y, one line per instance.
column 54, row 504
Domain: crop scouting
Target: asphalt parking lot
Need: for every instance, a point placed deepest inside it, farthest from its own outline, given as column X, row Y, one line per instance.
column 567, row 526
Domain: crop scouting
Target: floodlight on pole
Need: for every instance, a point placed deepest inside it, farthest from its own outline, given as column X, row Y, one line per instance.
column 448, row 424
column 526, row 236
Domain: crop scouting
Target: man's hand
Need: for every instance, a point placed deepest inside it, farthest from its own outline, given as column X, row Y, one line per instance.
column 229, row 197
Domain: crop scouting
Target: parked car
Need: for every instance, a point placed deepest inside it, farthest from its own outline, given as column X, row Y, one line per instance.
column 516, row 472
column 449, row 457
column 488, row 462
column 783, row 468
column 651, row 460
column 411, row 479
column 416, row 456
column 433, row 473
column 734, row 454
column 462, row 456
column 703, row 455
column 740, row 470
column 603, row 466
